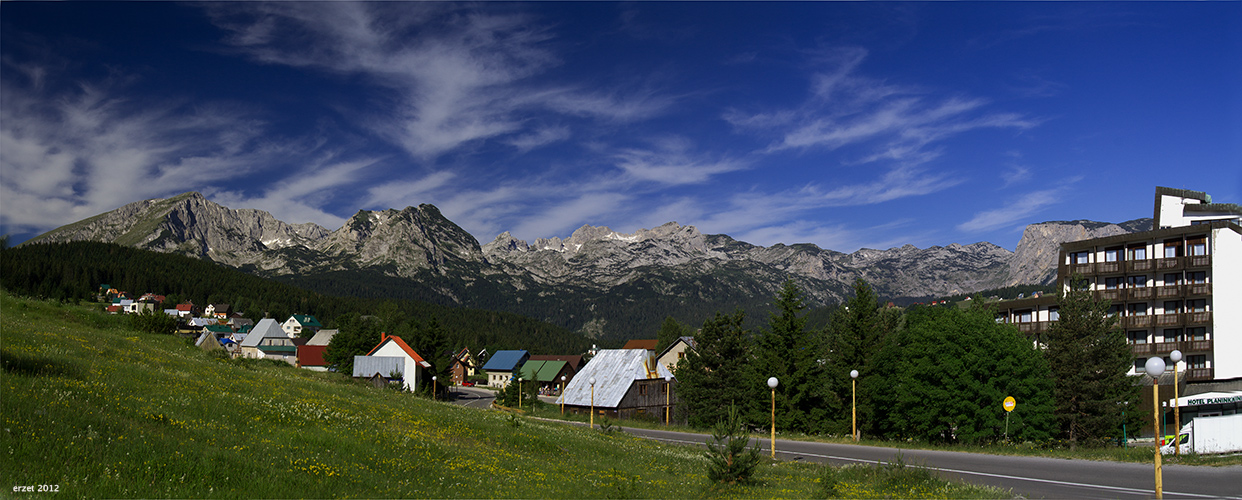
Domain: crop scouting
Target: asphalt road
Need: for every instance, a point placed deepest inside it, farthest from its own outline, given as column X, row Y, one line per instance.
column 1029, row 477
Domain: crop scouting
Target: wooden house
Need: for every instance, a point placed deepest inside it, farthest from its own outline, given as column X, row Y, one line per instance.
column 629, row 383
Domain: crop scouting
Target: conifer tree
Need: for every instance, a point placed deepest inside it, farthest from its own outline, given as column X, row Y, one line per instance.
column 713, row 376
column 795, row 356
column 1089, row 359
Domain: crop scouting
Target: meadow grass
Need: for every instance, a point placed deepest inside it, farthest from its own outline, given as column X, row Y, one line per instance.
column 101, row 411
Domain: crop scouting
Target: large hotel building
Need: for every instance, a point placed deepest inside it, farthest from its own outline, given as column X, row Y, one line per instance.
column 1175, row 287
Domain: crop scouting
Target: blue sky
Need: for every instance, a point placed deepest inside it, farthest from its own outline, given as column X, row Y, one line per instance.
column 846, row 125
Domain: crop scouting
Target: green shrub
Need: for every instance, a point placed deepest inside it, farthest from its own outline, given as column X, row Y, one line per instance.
column 728, row 458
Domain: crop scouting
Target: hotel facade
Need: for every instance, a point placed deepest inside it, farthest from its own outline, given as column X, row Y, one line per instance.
column 1175, row 287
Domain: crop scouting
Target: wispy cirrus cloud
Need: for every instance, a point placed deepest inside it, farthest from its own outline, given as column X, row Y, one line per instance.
column 453, row 76
column 1015, row 211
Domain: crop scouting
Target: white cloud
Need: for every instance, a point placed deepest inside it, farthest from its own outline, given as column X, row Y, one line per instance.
column 1016, row 211
column 671, row 163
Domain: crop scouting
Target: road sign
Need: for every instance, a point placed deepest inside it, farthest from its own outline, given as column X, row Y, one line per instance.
column 1010, row 403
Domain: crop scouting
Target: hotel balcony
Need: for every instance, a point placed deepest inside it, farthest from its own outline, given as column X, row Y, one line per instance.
column 1198, row 318
column 1144, row 321
column 1141, row 293
column 1164, row 348
column 1198, row 374
column 1139, row 266
column 1032, row 326
column 1197, row 261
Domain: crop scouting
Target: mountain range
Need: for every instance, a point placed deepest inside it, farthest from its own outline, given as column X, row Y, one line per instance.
column 604, row 284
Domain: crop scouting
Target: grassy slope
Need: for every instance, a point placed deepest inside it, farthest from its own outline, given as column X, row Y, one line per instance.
column 103, row 411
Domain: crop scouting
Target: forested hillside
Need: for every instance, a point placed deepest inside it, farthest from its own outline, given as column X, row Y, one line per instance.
column 73, row 272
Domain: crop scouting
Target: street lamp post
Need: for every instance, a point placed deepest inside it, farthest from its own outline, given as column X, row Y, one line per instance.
column 562, row 394
column 772, row 383
column 592, row 381
column 854, row 403
column 668, row 395
column 433, row 388
column 1125, row 438
column 520, row 393
column 1155, row 368
column 1176, row 357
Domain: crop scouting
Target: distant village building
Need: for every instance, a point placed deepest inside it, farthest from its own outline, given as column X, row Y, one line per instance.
column 629, row 383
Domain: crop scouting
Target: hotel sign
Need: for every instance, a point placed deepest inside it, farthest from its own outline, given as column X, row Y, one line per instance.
column 1214, row 401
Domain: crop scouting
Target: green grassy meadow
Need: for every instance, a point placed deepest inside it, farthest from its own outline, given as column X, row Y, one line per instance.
column 100, row 411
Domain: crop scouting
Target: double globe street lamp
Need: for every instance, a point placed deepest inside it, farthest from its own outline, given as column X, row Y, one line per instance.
column 1155, row 368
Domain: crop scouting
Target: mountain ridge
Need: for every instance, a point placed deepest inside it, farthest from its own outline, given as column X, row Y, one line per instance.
column 597, row 280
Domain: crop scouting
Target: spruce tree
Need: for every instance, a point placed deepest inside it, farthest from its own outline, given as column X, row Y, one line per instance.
column 1089, row 358
column 795, row 356
column 714, row 375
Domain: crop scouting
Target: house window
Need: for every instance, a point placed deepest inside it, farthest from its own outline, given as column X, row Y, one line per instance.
column 1137, row 253
column 664, row 388
column 1137, row 336
column 1172, row 334
column 1137, row 281
column 1196, row 333
column 1140, row 365
column 642, row 390
column 1136, row 309
column 1113, row 283
column 1196, row 305
column 1054, row 314
column 1197, row 277
column 1112, row 254
column 1197, row 246
column 1114, row 309
column 681, row 355
column 1024, row 316
column 1172, row 306
column 1172, row 279
column 1196, row 361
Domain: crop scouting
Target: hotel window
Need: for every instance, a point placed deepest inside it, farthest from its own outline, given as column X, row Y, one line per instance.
column 1137, row 336
column 1113, row 283
column 1172, row 334
column 1196, row 361
column 1080, row 258
column 1024, row 316
column 1137, row 281
column 1054, row 314
column 1196, row 305
column 1173, row 248
column 1137, row 309
column 1197, row 246
column 1137, row 253
column 1114, row 309
column 1172, row 306
column 1197, row 277
column 1112, row 254
column 1140, row 365
column 1196, row 333
column 1172, row 279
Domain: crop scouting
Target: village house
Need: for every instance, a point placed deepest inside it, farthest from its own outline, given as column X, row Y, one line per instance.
column 574, row 361
column 463, row 366
column 675, row 352
column 547, row 374
column 411, row 366
column 503, row 365
column 268, row 341
column 629, row 383
column 310, row 356
column 299, row 323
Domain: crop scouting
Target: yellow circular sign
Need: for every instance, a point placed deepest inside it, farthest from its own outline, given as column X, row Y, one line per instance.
column 1010, row 403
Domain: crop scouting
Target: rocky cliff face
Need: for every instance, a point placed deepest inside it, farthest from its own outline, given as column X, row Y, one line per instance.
column 595, row 280
column 1035, row 258
column 192, row 225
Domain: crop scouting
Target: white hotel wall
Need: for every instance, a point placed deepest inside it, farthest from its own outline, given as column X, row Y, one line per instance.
column 1227, row 303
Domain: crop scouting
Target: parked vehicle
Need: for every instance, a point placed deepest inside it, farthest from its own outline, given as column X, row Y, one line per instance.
column 467, row 384
column 1221, row 434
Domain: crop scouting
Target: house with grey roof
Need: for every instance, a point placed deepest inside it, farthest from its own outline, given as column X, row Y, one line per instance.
column 267, row 340
column 629, row 383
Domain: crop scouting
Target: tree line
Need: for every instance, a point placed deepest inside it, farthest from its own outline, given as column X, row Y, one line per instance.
column 929, row 373
column 73, row 272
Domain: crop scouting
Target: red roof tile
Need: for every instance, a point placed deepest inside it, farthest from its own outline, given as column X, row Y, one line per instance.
column 400, row 343
column 312, row 355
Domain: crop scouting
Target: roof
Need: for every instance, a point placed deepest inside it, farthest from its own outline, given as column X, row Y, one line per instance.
column 185, row 307
column 689, row 341
column 369, row 366
column 323, row 337
column 267, row 327
column 506, row 361
column 220, row 308
column 614, row 371
column 312, row 355
column 575, row 361
column 542, row 370
column 307, row 320
column 218, row 328
column 404, row 347
column 648, row 344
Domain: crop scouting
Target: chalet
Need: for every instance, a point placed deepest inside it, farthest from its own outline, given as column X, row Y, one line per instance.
column 547, row 374
column 185, row 310
column 574, row 361
column 463, row 366
column 380, row 370
column 322, row 338
column 411, row 367
column 504, row 365
column 268, row 340
column 299, row 323
column 675, row 352
column 629, row 383
column 218, row 311
column 310, row 357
